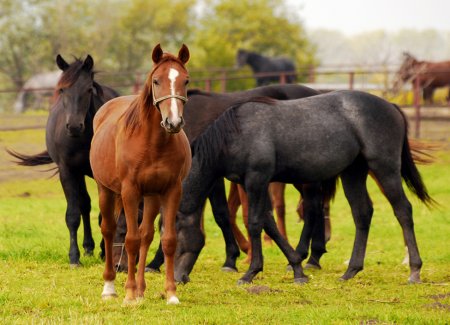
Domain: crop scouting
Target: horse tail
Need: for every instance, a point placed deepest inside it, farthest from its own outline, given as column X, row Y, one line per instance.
column 420, row 151
column 42, row 158
column 409, row 171
column 412, row 177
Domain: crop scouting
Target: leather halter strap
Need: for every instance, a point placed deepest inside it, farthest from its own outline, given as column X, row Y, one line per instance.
column 156, row 101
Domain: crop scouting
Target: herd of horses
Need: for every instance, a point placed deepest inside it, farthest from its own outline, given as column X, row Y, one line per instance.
column 169, row 149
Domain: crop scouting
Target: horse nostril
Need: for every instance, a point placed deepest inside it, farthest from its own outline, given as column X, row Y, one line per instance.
column 67, row 126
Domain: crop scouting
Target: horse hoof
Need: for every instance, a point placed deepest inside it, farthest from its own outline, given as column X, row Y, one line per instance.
column 228, row 269
column 151, row 270
column 173, row 300
column 289, row 268
column 89, row 253
column 301, row 280
column 414, row 278
column 312, row 266
column 75, row 265
column 132, row 302
column 109, row 296
column 243, row 282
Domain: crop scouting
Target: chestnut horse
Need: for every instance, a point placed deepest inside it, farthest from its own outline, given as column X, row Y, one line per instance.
column 430, row 75
column 139, row 152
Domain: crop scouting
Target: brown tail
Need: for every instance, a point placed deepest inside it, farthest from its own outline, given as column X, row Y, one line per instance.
column 421, row 151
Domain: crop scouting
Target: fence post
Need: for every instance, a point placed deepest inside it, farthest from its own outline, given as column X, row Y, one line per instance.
column 137, row 84
column 351, row 79
column 208, row 85
column 223, row 82
column 311, row 74
column 416, row 95
column 282, row 78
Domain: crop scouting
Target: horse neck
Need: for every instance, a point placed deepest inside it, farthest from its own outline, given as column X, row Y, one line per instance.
column 196, row 186
column 255, row 61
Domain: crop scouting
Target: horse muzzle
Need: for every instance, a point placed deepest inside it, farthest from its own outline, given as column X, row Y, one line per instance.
column 173, row 126
column 75, row 130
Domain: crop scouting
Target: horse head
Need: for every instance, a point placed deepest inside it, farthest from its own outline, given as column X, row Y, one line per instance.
column 74, row 90
column 166, row 87
column 406, row 71
column 241, row 58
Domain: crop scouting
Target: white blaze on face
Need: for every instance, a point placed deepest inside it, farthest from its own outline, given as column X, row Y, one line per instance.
column 173, row 74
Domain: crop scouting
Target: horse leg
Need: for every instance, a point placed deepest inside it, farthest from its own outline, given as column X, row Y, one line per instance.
column 71, row 184
column 277, row 196
column 108, row 228
column 131, row 199
column 233, row 205
column 391, row 183
column 170, row 203
column 147, row 232
column 244, row 201
column 326, row 216
column 292, row 256
column 85, row 208
column 259, row 206
column 313, row 228
column 158, row 259
column 217, row 198
column 355, row 189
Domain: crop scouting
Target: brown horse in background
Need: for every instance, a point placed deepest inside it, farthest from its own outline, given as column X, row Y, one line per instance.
column 430, row 75
column 140, row 152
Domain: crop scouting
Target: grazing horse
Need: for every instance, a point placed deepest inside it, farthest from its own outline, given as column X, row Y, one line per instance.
column 68, row 138
column 430, row 75
column 139, row 152
column 309, row 140
column 266, row 65
column 199, row 112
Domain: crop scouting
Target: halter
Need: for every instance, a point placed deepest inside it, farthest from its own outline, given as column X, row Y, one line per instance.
column 121, row 253
column 156, row 101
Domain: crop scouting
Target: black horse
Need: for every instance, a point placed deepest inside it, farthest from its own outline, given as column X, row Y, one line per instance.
column 68, row 138
column 199, row 112
column 268, row 69
column 308, row 140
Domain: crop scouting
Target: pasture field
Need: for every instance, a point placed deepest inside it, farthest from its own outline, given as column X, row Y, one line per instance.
column 37, row 286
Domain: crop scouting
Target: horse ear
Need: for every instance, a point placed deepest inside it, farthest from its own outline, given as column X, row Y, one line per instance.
column 62, row 64
column 157, row 54
column 88, row 63
column 183, row 54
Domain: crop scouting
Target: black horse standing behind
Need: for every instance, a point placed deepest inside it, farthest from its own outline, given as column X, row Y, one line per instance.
column 68, row 138
column 266, row 65
column 309, row 140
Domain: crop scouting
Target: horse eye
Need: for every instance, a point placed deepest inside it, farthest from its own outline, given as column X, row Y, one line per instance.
column 90, row 90
column 186, row 82
column 155, row 82
column 60, row 91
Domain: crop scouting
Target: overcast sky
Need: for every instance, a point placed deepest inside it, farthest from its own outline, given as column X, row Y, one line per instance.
column 355, row 16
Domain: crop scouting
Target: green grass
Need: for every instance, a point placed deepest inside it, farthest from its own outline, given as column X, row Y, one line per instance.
column 38, row 286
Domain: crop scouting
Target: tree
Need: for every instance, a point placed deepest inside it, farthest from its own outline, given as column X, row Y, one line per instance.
column 263, row 26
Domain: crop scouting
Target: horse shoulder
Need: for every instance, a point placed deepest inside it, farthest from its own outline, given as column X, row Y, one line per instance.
column 112, row 110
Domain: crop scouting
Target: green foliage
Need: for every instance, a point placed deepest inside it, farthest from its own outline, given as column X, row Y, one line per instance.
column 120, row 34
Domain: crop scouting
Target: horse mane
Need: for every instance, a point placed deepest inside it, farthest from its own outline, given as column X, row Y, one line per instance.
column 140, row 107
column 197, row 91
column 209, row 144
column 71, row 74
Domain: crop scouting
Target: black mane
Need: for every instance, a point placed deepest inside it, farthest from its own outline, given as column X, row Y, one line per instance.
column 213, row 140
